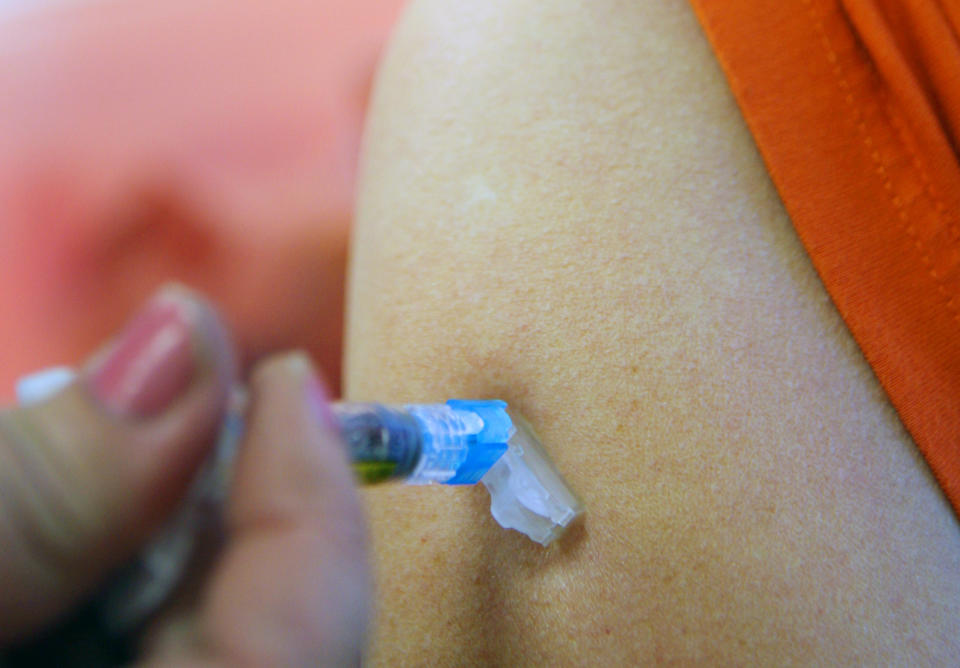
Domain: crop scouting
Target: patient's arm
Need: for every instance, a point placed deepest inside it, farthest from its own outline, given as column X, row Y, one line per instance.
column 562, row 207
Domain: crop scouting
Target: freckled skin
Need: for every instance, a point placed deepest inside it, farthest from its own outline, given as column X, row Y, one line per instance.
column 630, row 283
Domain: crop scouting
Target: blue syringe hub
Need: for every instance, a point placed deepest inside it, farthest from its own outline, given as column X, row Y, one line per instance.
column 461, row 440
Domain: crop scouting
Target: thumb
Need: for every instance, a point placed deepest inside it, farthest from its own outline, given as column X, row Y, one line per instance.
column 87, row 474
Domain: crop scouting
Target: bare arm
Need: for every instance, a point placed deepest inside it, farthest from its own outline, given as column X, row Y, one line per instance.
column 561, row 206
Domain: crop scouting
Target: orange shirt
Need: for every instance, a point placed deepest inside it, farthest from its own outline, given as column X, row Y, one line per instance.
column 855, row 107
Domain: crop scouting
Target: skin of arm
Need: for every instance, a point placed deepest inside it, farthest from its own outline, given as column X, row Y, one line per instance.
column 560, row 206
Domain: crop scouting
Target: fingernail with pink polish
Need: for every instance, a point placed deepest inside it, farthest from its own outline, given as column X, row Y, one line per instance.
column 150, row 364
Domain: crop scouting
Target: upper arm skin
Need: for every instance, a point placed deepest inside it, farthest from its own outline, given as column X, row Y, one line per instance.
column 560, row 206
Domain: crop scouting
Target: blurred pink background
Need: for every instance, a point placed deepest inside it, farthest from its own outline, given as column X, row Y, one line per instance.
column 209, row 142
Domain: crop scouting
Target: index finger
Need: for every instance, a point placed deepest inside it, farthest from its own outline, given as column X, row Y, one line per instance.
column 293, row 586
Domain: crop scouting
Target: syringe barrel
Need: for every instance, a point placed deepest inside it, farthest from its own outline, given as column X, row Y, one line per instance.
column 452, row 443
column 383, row 441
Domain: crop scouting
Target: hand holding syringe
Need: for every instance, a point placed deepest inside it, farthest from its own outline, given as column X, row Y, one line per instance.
column 456, row 443
column 90, row 463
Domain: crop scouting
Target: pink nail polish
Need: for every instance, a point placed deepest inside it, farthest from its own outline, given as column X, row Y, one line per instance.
column 151, row 363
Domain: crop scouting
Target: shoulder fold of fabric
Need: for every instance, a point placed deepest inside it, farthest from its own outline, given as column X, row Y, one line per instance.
column 855, row 107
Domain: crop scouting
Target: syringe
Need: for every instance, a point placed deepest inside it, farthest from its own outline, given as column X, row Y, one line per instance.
column 460, row 442
column 454, row 443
